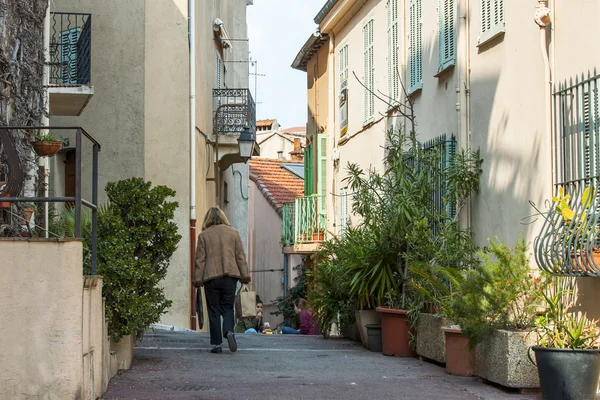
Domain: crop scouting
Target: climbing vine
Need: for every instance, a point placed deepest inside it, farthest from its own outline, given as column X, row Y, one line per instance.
column 22, row 92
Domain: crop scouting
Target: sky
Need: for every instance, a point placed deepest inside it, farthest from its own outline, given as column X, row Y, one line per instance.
column 277, row 30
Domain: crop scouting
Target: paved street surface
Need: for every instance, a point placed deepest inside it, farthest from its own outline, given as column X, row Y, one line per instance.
column 178, row 366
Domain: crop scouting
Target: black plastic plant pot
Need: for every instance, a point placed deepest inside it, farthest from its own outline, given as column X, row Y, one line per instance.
column 567, row 374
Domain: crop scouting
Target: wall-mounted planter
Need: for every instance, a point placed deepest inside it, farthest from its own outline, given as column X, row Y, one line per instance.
column 395, row 333
column 46, row 149
column 459, row 359
column 502, row 358
column 431, row 342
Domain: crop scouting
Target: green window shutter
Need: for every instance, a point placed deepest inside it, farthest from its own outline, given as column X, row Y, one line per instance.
column 322, row 172
column 308, row 170
column 415, row 51
column 69, row 39
column 447, row 34
column 393, row 72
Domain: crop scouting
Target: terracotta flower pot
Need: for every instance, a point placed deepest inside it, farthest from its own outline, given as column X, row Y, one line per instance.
column 318, row 236
column 395, row 333
column 582, row 260
column 459, row 359
column 46, row 149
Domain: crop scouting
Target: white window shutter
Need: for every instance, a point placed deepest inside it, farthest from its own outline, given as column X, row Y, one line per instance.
column 369, row 75
column 322, row 172
column 393, row 85
column 492, row 19
column 343, row 218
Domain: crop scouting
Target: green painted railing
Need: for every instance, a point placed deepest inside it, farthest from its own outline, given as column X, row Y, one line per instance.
column 310, row 224
column 288, row 223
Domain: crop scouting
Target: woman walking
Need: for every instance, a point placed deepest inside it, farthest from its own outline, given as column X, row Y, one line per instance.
column 220, row 264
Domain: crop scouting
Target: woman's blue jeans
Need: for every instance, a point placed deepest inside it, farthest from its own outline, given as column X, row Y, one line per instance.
column 286, row 330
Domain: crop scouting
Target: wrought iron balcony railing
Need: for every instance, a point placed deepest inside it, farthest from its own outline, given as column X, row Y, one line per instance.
column 233, row 110
column 70, row 48
column 569, row 242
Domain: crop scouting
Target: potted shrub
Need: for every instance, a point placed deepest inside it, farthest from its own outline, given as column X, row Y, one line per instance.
column 568, row 351
column 46, row 144
column 495, row 308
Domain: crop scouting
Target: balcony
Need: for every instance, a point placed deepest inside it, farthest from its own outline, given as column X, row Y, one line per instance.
column 233, row 110
column 304, row 224
column 70, row 63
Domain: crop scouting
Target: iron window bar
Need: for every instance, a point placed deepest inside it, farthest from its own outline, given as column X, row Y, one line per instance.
column 70, row 49
column 80, row 202
column 571, row 247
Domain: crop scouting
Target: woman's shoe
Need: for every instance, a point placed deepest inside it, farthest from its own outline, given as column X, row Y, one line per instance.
column 231, row 341
column 217, row 350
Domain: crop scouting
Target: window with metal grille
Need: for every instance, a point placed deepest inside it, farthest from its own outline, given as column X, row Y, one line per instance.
column 343, row 85
column 369, row 74
column 416, row 47
column 447, row 34
column 393, row 67
column 492, row 19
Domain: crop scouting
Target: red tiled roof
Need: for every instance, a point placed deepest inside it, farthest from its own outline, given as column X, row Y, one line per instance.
column 294, row 129
column 265, row 122
column 277, row 184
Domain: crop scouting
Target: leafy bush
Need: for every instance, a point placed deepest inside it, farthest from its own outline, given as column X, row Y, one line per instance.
column 329, row 297
column 285, row 304
column 499, row 293
column 136, row 239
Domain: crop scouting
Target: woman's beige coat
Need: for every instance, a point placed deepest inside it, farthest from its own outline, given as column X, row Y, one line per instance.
column 219, row 253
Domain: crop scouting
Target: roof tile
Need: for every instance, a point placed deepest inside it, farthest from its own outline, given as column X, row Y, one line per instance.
column 277, row 184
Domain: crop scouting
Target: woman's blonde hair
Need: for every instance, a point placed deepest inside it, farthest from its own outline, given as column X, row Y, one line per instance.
column 214, row 216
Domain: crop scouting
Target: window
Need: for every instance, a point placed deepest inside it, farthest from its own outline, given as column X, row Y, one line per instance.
column 343, row 90
column 369, row 75
column 447, row 34
column 492, row 19
column 415, row 51
column 225, row 193
column 393, row 71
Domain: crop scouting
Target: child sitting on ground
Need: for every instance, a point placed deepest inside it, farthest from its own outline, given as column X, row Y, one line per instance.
column 252, row 324
column 308, row 322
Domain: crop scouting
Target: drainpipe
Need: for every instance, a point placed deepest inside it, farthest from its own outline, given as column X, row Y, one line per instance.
column 44, row 161
column 192, row 43
column 542, row 18
column 285, row 274
column 463, row 86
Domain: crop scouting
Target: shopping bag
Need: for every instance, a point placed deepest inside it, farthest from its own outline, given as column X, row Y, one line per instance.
column 245, row 303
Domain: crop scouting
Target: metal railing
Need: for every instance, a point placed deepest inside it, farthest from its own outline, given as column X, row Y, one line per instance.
column 288, row 223
column 310, row 219
column 78, row 200
column 570, row 244
column 234, row 109
column 70, row 48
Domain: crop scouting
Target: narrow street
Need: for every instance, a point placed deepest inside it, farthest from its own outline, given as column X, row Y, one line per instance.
column 178, row 366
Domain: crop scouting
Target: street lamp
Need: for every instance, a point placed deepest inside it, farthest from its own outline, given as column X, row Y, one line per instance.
column 246, row 143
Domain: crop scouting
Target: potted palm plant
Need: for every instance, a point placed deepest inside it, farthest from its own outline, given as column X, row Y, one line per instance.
column 568, row 351
column 46, row 144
